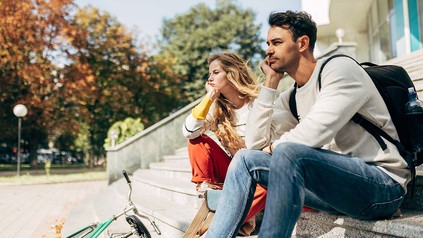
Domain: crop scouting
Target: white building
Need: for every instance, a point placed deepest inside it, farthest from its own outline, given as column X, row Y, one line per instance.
column 381, row 31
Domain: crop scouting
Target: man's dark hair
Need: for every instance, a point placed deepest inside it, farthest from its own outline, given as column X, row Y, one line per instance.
column 298, row 23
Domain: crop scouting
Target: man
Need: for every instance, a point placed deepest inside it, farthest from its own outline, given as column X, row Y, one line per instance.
column 363, row 181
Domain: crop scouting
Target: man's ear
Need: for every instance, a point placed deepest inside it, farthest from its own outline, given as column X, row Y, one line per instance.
column 303, row 43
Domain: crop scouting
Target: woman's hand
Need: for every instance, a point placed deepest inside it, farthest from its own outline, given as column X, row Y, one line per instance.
column 212, row 93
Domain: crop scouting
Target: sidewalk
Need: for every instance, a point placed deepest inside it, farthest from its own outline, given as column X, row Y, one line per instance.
column 34, row 210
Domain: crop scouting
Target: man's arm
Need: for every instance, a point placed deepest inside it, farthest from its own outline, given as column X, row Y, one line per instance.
column 262, row 123
column 268, row 119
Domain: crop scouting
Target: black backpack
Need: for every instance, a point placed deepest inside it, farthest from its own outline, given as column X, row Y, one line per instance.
column 392, row 82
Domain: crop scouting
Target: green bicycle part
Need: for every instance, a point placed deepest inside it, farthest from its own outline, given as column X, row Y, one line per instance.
column 100, row 228
column 82, row 230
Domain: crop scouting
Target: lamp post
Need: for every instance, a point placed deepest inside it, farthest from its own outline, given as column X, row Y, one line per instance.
column 340, row 33
column 19, row 111
column 114, row 134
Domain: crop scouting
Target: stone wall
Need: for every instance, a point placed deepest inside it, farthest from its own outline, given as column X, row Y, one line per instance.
column 150, row 145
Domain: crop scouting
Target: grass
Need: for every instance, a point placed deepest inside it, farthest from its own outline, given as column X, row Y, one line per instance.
column 58, row 174
column 26, row 168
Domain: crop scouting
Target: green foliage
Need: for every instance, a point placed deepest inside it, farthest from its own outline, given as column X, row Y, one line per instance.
column 124, row 130
column 191, row 37
column 82, row 142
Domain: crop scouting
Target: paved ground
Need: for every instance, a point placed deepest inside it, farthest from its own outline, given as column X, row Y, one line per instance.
column 35, row 210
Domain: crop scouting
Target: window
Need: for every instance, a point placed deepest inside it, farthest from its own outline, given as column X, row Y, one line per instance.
column 415, row 13
column 388, row 28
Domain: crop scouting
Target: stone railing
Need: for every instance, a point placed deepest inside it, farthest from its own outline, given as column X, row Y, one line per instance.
column 347, row 48
column 150, row 145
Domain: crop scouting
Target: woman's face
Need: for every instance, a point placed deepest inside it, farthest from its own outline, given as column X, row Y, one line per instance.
column 217, row 77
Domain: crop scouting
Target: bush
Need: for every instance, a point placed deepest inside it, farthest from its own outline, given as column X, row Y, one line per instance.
column 123, row 130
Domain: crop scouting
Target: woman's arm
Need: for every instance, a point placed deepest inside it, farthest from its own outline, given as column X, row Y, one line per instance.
column 195, row 121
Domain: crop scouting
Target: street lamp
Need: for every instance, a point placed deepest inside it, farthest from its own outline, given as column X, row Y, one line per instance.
column 114, row 134
column 19, row 111
column 340, row 33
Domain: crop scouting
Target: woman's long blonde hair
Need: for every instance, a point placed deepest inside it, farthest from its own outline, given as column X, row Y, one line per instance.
column 240, row 75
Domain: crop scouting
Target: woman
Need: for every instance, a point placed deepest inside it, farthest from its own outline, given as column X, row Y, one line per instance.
column 231, row 88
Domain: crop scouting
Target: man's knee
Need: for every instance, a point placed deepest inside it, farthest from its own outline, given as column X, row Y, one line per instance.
column 288, row 152
column 289, row 148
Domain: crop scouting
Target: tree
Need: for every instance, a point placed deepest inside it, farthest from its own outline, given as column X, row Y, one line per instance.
column 190, row 38
column 110, row 78
column 31, row 33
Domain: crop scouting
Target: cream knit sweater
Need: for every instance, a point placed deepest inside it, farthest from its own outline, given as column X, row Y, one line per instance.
column 325, row 116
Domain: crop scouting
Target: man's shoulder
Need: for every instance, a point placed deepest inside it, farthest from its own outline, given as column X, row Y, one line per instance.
column 344, row 67
column 340, row 62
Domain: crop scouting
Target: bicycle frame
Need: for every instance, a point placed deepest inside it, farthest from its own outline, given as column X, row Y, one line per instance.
column 103, row 226
column 88, row 229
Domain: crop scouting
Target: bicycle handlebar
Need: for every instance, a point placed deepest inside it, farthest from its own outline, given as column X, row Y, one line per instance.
column 126, row 176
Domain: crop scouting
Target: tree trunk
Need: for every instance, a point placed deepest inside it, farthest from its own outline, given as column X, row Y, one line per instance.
column 33, row 156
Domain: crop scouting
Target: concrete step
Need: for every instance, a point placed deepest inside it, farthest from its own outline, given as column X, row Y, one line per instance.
column 409, row 224
column 177, row 190
column 324, row 225
column 180, row 157
column 415, row 201
column 182, row 151
column 173, row 169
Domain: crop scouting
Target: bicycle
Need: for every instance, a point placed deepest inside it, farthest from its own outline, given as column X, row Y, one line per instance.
column 137, row 227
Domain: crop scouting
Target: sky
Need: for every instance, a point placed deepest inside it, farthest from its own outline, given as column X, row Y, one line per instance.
column 147, row 15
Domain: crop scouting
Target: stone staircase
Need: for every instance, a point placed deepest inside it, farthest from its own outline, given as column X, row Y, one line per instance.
column 164, row 192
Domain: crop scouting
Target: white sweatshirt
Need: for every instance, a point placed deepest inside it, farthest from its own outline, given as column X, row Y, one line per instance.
column 325, row 115
column 192, row 127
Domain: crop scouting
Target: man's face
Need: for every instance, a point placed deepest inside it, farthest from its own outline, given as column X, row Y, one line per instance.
column 282, row 51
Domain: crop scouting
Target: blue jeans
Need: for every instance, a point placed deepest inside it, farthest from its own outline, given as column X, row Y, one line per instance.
column 297, row 175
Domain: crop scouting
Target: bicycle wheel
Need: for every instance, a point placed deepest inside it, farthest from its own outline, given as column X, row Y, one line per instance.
column 137, row 224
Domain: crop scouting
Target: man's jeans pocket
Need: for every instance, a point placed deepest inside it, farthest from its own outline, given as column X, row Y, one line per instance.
column 381, row 210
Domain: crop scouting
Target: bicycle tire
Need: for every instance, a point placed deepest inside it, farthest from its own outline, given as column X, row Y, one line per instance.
column 137, row 224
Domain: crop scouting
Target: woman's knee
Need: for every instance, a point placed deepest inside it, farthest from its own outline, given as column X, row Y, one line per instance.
column 201, row 143
column 203, row 139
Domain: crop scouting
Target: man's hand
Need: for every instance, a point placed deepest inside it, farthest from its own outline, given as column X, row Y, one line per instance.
column 212, row 93
column 272, row 77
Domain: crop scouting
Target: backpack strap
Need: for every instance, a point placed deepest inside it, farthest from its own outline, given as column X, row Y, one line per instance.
column 375, row 131
column 293, row 103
